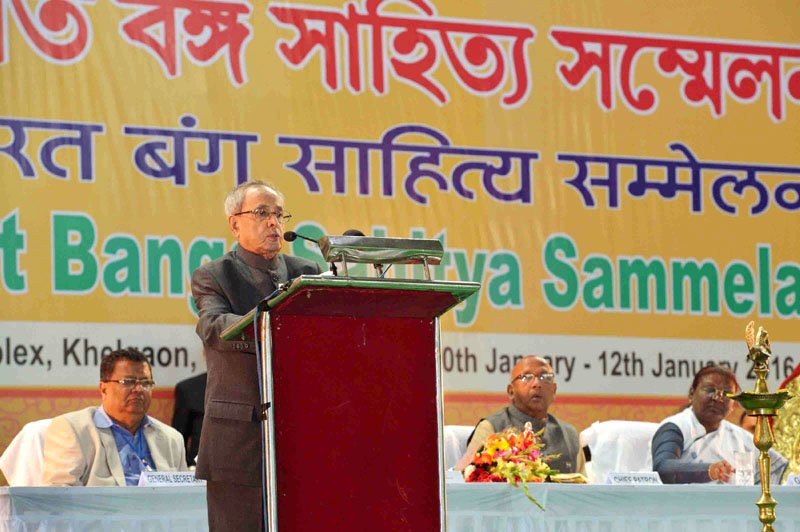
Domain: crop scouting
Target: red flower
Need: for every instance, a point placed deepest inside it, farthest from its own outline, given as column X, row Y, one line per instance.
column 479, row 475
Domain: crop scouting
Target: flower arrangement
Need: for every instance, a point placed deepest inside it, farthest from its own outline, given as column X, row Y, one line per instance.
column 511, row 456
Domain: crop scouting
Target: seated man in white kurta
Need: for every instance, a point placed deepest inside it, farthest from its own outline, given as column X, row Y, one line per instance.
column 113, row 444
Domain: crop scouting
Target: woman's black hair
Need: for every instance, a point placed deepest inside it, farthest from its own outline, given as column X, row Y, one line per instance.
column 723, row 371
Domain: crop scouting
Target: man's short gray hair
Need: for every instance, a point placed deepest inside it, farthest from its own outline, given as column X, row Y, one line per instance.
column 235, row 198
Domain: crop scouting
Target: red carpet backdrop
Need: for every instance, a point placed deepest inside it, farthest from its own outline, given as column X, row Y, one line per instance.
column 623, row 179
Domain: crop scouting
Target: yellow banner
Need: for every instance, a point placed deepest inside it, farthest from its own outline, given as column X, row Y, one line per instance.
column 623, row 179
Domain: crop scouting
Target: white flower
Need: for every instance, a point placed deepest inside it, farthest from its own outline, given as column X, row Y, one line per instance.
column 468, row 470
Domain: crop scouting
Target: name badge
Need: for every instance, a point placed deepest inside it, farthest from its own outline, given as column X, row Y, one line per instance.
column 793, row 480
column 633, row 479
column 169, row 478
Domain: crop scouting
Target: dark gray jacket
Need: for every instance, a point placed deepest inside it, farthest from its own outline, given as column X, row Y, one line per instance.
column 224, row 290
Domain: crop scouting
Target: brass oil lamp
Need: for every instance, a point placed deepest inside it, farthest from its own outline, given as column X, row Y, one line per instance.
column 762, row 404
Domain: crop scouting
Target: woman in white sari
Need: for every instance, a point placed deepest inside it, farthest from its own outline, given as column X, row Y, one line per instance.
column 697, row 444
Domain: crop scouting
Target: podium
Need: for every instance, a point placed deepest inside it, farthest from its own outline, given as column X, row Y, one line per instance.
column 352, row 374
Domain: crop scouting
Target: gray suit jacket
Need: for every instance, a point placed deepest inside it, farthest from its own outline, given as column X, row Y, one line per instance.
column 224, row 290
column 77, row 453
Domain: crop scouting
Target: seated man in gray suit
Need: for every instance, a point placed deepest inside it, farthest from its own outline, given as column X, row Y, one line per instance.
column 112, row 444
column 531, row 391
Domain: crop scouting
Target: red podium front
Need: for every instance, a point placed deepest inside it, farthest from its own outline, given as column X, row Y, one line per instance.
column 354, row 386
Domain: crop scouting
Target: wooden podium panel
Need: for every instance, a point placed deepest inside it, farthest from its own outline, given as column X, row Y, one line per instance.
column 356, row 405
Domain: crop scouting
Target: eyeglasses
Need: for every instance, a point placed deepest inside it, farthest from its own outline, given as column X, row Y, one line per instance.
column 541, row 377
column 717, row 393
column 147, row 384
column 263, row 215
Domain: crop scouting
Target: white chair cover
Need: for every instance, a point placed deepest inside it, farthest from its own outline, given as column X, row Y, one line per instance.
column 455, row 443
column 622, row 446
column 23, row 459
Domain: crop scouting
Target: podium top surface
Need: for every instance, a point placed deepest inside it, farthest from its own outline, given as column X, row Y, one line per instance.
column 361, row 296
column 459, row 290
column 381, row 250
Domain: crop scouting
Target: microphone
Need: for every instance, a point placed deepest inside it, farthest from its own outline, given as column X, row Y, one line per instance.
column 291, row 236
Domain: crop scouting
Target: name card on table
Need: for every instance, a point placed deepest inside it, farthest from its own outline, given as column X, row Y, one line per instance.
column 793, row 480
column 633, row 479
column 169, row 478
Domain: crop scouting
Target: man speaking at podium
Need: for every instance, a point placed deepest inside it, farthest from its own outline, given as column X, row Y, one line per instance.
column 224, row 290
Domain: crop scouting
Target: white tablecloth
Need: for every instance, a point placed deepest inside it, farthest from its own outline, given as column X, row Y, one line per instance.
column 597, row 508
column 471, row 507
column 132, row 509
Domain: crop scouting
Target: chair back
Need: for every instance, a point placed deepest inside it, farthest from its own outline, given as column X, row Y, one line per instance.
column 618, row 446
column 23, row 459
column 455, row 443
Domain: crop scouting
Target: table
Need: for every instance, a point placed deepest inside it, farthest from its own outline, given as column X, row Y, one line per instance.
column 598, row 508
column 102, row 509
column 471, row 508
